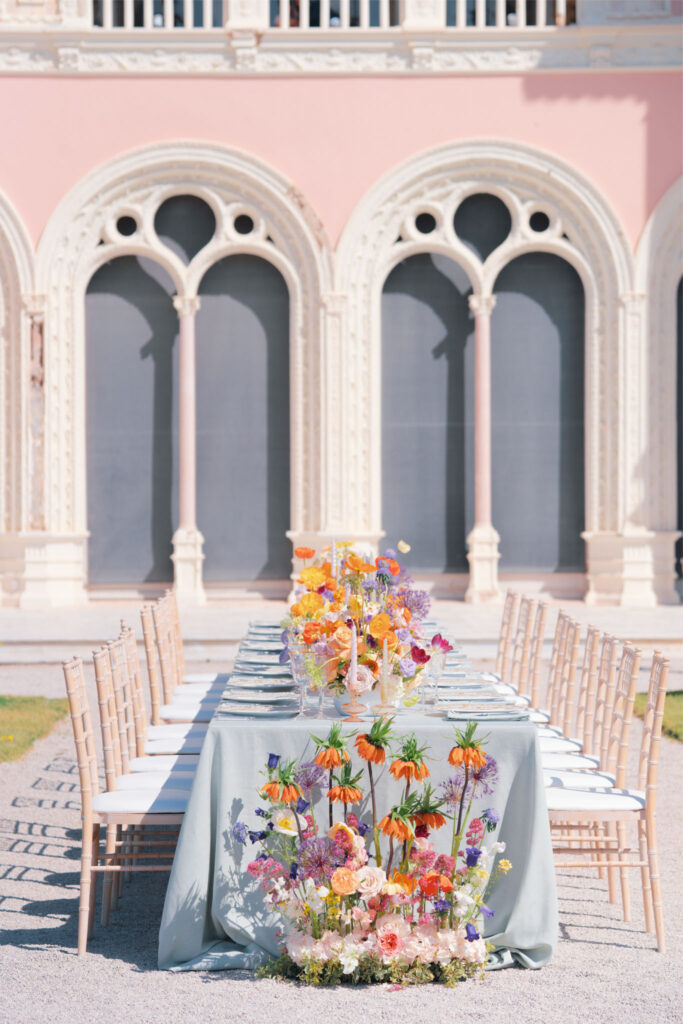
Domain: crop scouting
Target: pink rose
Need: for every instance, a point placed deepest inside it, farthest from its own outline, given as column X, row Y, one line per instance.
column 371, row 880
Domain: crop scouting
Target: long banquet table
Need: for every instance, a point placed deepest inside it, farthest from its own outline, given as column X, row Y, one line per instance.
column 214, row 916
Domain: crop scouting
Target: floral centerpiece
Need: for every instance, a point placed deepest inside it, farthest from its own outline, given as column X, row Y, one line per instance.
column 372, row 901
column 359, row 621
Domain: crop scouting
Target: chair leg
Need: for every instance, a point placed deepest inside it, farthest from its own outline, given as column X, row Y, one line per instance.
column 117, row 875
column 599, row 857
column 107, row 881
column 645, row 876
column 86, row 881
column 612, row 873
column 653, row 864
column 623, row 873
column 93, row 885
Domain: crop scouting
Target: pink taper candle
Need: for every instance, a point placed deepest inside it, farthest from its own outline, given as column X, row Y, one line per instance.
column 352, row 678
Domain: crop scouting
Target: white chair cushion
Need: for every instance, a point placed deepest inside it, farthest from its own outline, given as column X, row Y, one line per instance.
column 161, row 732
column 594, row 799
column 180, row 745
column 539, row 717
column 187, row 712
column 560, row 762
column 142, row 801
column 549, row 731
column 184, row 764
column 558, row 745
column 577, row 779
column 205, row 681
column 156, row 780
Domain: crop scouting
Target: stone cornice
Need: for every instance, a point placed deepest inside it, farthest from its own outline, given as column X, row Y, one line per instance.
column 50, row 49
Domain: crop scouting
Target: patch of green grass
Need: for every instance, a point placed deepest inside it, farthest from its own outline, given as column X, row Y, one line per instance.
column 673, row 712
column 23, row 720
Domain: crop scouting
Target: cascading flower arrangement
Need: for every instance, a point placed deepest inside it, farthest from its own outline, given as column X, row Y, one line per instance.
column 346, row 602
column 395, row 910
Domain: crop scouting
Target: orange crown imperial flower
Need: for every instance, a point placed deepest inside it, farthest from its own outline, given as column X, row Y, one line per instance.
column 395, row 828
column 330, row 758
column 409, row 770
column 471, row 757
column 286, row 793
column 368, row 751
column 345, row 794
column 432, row 819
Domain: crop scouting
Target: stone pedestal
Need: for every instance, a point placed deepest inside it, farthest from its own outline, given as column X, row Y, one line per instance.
column 634, row 569
column 483, row 556
column 188, row 558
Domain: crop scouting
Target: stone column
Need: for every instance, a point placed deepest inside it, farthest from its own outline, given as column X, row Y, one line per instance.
column 188, row 542
column 483, row 540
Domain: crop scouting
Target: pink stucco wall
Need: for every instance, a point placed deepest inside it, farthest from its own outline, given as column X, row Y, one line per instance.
column 334, row 137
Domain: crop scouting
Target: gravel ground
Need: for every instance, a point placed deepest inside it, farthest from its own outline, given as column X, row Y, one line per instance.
column 604, row 971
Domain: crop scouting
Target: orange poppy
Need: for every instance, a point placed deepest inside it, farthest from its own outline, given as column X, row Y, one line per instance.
column 395, row 828
column 471, row 757
column 304, row 552
column 432, row 819
column 295, row 611
column 311, row 632
column 354, row 563
column 407, row 882
column 379, row 625
column 429, row 884
column 331, row 758
column 312, row 577
column 409, row 770
column 368, row 751
column 345, row 794
column 311, row 603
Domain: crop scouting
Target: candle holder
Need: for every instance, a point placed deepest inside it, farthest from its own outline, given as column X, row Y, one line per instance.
column 353, row 709
column 384, row 710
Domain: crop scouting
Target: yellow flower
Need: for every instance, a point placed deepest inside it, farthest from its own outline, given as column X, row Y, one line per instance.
column 504, row 866
column 403, row 547
column 311, row 603
column 482, row 875
column 313, row 577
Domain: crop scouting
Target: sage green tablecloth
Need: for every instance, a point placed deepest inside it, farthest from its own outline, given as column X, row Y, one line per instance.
column 214, row 916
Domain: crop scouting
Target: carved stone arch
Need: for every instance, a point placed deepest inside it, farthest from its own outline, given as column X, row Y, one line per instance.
column 583, row 229
column 82, row 234
column 659, row 267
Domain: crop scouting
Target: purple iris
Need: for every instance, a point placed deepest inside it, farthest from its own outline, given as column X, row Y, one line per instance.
column 471, row 933
column 261, row 813
column 302, row 805
column 441, row 906
column 273, row 760
column 472, row 856
column 256, row 837
column 240, row 832
column 486, row 911
column 293, row 869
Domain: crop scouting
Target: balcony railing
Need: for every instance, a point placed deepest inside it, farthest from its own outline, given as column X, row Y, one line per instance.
column 363, row 15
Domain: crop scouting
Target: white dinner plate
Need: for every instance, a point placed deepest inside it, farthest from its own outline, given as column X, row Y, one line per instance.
column 256, row 682
column 256, row 711
column 246, row 696
column 276, row 671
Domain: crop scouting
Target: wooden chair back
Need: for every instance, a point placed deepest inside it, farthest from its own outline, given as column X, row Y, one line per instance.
column 152, row 659
column 174, row 615
column 519, row 669
column 84, row 737
column 536, row 654
column 565, row 691
column 510, row 609
column 585, row 704
column 165, row 643
column 109, row 718
column 135, row 676
column 604, row 697
column 556, row 656
column 648, row 765
column 616, row 738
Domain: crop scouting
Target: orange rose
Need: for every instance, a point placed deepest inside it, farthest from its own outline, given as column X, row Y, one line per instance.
column 340, row 642
column 344, row 881
column 311, row 633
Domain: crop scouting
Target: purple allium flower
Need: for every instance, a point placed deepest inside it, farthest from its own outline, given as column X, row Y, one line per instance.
column 472, row 933
column 318, row 859
column 452, row 789
column 308, row 775
column 472, row 856
column 302, row 805
column 484, row 779
column 418, row 603
column 441, row 906
column 273, row 760
column 486, row 911
column 240, row 832
column 363, row 829
column 390, row 552
column 491, row 819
